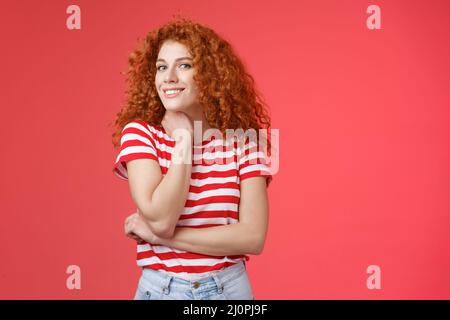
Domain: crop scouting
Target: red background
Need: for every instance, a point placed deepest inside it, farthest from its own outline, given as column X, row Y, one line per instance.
column 364, row 155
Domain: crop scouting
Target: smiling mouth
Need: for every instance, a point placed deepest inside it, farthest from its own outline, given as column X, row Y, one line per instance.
column 171, row 93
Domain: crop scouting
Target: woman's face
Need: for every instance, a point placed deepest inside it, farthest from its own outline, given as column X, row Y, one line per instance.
column 174, row 78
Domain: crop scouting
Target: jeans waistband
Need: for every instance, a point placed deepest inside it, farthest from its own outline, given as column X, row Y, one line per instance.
column 164, row 280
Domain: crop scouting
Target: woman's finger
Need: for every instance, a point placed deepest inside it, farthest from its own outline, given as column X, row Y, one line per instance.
column 128, row 226
column 125, row 225
column 127, row 220
column 134, row 237
column 131, row 235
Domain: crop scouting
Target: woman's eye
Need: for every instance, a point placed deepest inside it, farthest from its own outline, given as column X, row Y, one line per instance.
column 188, row 66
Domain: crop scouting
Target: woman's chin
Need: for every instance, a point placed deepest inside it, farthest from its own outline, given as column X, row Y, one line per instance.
column 175, row 108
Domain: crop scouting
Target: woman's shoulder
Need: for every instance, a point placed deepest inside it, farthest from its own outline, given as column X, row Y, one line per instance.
column 146, row 127
column 153, row 132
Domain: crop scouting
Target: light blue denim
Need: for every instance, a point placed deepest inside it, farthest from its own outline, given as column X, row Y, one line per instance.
column 230, row 283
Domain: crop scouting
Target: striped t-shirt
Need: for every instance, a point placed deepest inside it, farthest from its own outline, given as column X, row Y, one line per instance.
column 214, row 191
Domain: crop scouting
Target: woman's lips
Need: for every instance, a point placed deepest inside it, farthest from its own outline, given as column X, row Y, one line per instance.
column 173, row 95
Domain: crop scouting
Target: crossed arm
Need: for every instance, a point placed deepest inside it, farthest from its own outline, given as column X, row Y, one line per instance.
column 244, row 237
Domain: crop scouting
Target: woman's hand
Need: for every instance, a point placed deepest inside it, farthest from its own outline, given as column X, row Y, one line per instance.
column 136, row 228
column 173, row 120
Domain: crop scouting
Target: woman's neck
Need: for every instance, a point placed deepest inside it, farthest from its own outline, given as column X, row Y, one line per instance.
column 197, row 115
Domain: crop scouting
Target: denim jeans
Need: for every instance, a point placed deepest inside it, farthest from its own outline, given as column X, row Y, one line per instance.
column 230, row 283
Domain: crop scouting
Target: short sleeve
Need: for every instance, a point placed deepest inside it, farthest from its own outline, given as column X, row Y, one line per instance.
column 253, row 162
column 136, row 142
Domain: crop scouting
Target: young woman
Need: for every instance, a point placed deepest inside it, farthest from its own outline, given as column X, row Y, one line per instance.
column 200, row 213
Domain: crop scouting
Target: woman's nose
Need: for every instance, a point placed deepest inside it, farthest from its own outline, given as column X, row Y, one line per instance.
column 171, row 75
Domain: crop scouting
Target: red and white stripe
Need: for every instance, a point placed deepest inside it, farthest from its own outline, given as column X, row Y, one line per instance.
column 213, row 197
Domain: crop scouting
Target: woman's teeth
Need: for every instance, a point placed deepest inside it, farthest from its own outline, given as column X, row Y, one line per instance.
column 172, row 91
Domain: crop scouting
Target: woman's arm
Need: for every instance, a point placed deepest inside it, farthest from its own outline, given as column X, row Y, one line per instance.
column 245, row 237
column 161, row 199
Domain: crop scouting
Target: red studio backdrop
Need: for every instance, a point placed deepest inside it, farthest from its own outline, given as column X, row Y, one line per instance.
column 363, row 117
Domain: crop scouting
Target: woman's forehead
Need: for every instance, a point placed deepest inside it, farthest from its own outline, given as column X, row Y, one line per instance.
column 173, row 49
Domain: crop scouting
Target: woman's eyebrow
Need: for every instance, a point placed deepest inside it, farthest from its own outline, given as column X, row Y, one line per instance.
column 183, row 58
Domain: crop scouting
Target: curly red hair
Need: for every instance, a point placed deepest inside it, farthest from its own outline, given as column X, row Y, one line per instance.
column 226, row 91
